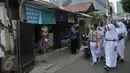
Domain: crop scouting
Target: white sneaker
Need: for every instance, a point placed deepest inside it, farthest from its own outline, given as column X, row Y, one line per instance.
column 93, row 63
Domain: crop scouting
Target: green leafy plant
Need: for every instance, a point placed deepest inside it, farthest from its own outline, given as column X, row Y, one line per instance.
column 96, row 17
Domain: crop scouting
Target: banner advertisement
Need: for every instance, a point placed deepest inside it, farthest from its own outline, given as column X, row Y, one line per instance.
column 35, row 15
column 32, row 15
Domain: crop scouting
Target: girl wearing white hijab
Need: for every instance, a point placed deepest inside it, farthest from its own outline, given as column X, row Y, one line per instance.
column 110, row 46
column 101, row 35
column 122, row 32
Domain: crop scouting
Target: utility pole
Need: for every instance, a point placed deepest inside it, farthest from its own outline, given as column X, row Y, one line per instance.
column 21, row 3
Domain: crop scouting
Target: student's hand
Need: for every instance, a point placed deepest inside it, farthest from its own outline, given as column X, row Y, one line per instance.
column 96, row 46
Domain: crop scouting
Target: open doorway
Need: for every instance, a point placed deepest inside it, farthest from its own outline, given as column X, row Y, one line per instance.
column 43, row 44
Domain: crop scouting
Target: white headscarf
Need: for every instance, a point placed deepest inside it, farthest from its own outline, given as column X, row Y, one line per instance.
column 111, row 32
column 122, row 28
column 106, row 27
column 101, row 30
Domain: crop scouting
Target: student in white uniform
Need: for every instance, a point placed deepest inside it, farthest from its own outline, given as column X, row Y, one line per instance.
column 110, row 46
column 104, row 42
column 122, row 33
column 93, row 37
column 101, row 40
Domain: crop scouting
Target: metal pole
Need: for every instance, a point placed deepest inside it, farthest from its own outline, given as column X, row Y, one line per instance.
column 20, row 11
column 21, row 3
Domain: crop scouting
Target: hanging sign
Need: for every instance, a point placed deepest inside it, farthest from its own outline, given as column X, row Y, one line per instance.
column 32, row 14
column 36, row 15
column 48, row 17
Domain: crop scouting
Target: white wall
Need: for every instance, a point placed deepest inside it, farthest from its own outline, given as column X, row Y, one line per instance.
column 2, row 32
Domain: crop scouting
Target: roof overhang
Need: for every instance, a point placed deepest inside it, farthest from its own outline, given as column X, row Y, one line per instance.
column 47, row 5
column 86, row 15
column 42, row 4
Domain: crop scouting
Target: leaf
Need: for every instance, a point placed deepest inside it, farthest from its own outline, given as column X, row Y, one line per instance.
column 96, row 17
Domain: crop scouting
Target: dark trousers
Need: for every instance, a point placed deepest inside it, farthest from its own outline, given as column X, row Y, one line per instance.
column 73, row 45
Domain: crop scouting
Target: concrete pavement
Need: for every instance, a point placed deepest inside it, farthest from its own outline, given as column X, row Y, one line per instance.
column 82, row 65
column 53, row 61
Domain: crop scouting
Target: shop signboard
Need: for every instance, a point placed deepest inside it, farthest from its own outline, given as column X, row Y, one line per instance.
column 36, row 15
column 32, row 14
column 48, row 17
